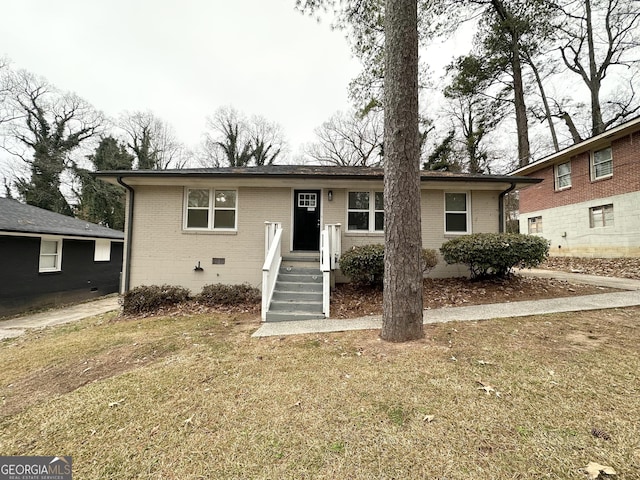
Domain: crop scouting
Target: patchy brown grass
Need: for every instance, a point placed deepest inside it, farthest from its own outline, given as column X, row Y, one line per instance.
column 196, row 397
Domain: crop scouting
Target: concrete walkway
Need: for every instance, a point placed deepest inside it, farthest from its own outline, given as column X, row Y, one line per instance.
column 17, row 326
column 629, row 298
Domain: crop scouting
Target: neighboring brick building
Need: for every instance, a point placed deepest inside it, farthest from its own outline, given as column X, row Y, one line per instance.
column 588, row 203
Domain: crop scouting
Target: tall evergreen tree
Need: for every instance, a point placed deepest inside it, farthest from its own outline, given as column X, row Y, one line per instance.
column 100, row 202
column 402, row 296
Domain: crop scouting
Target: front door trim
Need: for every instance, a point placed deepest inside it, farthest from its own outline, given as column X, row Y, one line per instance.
column 294, row 204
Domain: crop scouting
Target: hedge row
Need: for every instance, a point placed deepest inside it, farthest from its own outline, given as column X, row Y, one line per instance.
column 151, row 298
column 486, row 254
column 364, row 264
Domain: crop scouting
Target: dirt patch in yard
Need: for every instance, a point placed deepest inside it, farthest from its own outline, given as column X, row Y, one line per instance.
column 607, row 267
column 350, row 301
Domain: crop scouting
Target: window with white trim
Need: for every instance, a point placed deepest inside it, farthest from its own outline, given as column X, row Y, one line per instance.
column 456, row 213
column 210, row 209
column 602, row 163
column 365, row 211
column 102, row 252
column 563, row 175
column 601, row 216
column 50, row 255
column 535, row 224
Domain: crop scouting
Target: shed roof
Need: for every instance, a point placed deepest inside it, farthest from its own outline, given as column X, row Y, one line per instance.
column 17, row 217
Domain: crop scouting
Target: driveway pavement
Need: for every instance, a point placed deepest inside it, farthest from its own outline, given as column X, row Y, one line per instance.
column 17, row 326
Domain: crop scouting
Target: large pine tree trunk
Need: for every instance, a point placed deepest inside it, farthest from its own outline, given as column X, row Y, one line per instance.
column 522, row 124
column 402, row 316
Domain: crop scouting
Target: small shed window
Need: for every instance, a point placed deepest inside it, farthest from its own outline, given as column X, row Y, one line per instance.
column 50, row 255
column 102, row 251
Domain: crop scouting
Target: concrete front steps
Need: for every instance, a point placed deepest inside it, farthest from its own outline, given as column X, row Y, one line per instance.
column 298, row 291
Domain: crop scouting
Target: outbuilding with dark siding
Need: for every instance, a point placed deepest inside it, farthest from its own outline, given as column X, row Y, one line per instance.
column 50, row 259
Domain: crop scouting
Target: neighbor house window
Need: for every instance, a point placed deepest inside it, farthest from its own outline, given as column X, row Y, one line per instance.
column 456, row 212
column 211, row 209
column 601, row 163
column 563, row 175
column 601, row 216
column 535, row 225
column 102, row 252
column 365, row 211
column 50, row 255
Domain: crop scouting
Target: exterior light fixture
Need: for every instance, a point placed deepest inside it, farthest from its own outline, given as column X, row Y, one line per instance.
column 330, row 195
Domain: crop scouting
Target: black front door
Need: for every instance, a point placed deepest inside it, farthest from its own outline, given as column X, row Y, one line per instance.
column 306, row 220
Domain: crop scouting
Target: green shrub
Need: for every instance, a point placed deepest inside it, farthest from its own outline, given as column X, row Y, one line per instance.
column 364, row 264
column 429, row 260
column 495, row 254
column 150, row 298
column 220, row 294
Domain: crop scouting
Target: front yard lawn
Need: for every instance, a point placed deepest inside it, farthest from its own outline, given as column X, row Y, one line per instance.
column 194, row 396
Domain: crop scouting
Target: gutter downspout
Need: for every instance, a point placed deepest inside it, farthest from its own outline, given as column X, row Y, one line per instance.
column 127, row 271
column 503, row 221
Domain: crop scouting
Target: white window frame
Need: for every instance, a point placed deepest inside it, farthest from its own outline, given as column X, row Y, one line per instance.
column 371, row 211
column 58, row 255
column 605, row 209
column 211, row 210
column 467, row 212
column 558, row 176
column 102, row 251
column 534, row 222
column 593, row 163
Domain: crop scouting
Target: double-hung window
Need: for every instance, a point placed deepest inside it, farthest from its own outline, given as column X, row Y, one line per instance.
column 210, row 209
column 601, row 216
column 456, row 213
column 535, row 224
column 601, row 163
column 365, row 211
column 50, row 255
column 563, row 175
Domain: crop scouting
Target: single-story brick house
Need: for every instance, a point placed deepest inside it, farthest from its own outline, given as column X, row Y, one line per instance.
column 50, row 259
column 587, row 204
column 195, row 227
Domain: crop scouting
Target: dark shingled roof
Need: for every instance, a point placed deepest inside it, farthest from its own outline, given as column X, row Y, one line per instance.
column 304, row 171
column 20, row 218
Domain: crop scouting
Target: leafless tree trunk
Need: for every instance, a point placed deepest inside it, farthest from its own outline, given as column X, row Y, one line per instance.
column 348, row 139
column 153, row 142
column 548, row 116
column 602, row 35
column 402, row 304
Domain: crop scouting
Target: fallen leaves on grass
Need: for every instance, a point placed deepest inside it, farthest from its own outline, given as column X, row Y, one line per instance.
column 351, row 301
column 607, row 267
column 593, row 470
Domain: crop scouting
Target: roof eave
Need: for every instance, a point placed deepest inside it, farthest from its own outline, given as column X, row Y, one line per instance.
column 586, row 145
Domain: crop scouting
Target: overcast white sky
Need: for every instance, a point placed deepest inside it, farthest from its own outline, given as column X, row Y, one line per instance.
column 182, row 59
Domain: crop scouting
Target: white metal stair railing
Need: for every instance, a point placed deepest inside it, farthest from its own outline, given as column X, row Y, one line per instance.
column 335, row 243
column 272, row 262
column 330, row 251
